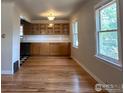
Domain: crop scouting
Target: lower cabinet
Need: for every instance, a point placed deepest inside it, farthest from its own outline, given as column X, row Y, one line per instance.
column 44, row 49
column 50, row 49
column 59, row 49
column 39, row 49
column 35, row 49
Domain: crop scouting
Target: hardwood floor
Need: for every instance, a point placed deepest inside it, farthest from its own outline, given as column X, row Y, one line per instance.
column 49, row 75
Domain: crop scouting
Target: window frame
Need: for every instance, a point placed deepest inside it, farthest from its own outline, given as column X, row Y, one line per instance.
column 75, row 34
column 107, row 59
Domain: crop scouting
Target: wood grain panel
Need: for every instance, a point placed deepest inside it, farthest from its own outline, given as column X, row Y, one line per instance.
column 44, row 49
column 55, row 49
column 65, row 48
column 59, row 49
column 35, row 49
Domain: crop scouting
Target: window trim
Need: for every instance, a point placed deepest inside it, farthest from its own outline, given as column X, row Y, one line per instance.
column 109, row 60
column 74, row 33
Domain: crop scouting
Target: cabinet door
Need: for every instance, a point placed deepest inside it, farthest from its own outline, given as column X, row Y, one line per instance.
column 64, row 49
column 35, row 49
column 26, row 29
column 54, row 49
column 36, row 29
column 44, row 49
column 59, row 49
column 57, row 29
column 49, row 30
column 65, row 29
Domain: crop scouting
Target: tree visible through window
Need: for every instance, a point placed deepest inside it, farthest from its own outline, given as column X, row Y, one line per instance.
column 107, row 31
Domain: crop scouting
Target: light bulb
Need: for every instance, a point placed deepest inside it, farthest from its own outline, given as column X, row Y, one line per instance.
column 51, row 18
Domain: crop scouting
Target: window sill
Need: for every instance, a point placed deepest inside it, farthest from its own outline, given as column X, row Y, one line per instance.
column 117, row 66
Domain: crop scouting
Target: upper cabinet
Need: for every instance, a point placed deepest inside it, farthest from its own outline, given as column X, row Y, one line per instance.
column 44, row 29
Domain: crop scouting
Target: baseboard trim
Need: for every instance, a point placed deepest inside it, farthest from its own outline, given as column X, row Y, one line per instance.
column 88, row 71
column 6, row 72
column 91, row 74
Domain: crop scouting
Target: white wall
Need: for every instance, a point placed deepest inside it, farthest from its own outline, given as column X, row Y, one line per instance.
column 6, row 43
column 10, row 45
column 22, row 12
column 87, row 47
column 15, row 35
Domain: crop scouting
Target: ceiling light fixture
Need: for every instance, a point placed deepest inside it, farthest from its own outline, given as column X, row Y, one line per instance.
column 51, row 17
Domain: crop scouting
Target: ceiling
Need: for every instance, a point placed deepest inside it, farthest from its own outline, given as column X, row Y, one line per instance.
column 39, row 9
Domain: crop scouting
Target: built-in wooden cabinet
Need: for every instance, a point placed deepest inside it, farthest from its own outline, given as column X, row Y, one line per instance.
column 35, row 49
column 65, row 28
column 47, row 49
column 50, row 49
column 39, row 49
column 59, row 49
column 44, row 29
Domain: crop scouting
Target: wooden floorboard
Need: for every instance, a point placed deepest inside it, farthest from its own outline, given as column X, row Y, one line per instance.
column 49, row 75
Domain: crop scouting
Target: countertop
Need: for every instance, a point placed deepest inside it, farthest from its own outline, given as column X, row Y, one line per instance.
column 45, row 39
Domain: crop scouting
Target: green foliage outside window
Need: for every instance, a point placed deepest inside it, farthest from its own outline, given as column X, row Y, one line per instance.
column 108, row 40
column 108, row 17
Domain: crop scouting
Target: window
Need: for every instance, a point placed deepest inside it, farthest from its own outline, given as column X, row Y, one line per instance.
column 75, row 34
column 107, row 32
column 21, row 31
